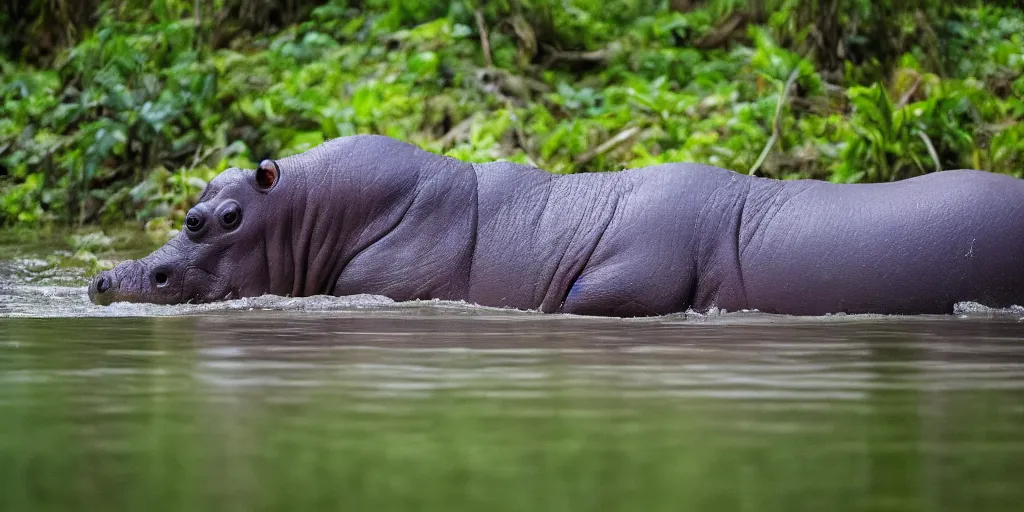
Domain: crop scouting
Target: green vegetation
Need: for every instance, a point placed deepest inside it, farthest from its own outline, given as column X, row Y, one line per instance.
column 119, row 110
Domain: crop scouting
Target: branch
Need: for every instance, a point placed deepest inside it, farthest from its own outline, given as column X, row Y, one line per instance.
column 721, row 34
column 200, row 156
column 485, row 40
column 905, row 99
column 776, row 129
column 504, row 84
column 555, row 55
column 831, row 87
column 458, row 132
column 198, row 20
column 608, row 145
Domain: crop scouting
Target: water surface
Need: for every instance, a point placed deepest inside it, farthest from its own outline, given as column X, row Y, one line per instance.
column 363, row 404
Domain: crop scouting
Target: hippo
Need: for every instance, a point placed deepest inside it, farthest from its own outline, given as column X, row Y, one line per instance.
column 369, row 214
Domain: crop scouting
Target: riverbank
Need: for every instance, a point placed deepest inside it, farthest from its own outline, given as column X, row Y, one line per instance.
column 141, row 109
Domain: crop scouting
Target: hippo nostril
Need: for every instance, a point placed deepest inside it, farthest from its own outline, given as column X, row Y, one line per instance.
column 193, row 222
column 160, row 278
column 103, row 284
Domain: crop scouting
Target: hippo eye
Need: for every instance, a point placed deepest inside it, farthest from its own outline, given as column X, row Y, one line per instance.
column 193, row 222
column 230, row 217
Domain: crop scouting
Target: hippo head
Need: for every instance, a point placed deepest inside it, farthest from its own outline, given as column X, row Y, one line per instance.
column 219, row 253
column 293, row 226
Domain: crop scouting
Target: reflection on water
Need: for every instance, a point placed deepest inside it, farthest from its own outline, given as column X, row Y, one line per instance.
column 363, row 404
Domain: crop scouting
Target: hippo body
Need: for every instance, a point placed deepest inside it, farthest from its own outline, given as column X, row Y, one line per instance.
column 369, row 214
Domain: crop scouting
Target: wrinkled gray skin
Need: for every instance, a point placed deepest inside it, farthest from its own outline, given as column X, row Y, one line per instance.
column 369, row 214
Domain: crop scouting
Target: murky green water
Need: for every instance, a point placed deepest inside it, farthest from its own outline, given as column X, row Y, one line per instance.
column 360, row 404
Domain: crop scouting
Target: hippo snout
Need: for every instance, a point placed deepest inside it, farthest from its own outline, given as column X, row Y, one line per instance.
column 136, row 281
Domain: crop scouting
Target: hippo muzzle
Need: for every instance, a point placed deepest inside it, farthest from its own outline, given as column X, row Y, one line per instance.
column 137, row 281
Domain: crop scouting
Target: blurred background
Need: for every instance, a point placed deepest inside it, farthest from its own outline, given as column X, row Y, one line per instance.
column 121, row 110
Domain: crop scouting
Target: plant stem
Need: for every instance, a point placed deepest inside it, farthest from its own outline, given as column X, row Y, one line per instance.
column 776, row 128
column 485, row 40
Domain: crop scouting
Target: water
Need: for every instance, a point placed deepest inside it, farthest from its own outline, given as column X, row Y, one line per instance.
column 363, row 404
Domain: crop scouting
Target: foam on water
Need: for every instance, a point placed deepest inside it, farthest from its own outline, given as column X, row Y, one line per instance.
column 25, row 300
column 40, row 301
column 32, row 288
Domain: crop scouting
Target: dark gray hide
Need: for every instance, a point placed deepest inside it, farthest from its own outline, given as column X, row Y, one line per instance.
column 369, row 214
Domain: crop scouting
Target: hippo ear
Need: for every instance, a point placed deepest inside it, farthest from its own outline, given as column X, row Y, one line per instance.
column 267, row 175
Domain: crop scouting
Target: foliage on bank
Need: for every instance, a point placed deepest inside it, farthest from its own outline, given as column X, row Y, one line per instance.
column 146, row 101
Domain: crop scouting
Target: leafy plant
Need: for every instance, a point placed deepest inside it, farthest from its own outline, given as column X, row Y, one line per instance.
column 129, row 116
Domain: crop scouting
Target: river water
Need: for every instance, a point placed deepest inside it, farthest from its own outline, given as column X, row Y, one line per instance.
column 362, row 404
